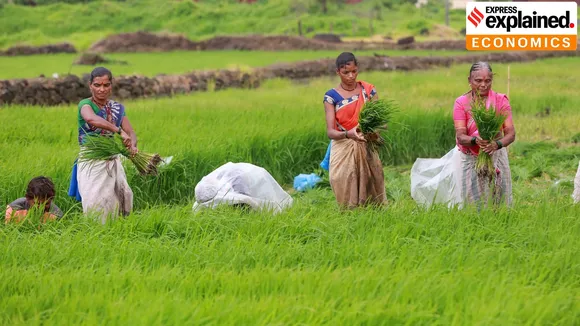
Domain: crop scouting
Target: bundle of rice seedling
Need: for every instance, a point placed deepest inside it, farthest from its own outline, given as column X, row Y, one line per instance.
column 373, row 119
column 98, row 148
column 488, row 122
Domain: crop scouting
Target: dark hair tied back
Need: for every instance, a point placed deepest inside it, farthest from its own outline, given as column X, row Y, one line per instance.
column 344, row 58
column 100, row 72
column 480, row 66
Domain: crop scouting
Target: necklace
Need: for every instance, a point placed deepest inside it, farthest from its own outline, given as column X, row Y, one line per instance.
column 348, row 90
column 97, row 102
column 108, row 116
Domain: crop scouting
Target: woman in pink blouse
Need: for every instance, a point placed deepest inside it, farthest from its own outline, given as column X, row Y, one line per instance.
column 470, row 144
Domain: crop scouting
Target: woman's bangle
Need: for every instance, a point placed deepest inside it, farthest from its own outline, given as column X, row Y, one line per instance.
column 499, row 144
column 346, row 134
column 473, row 139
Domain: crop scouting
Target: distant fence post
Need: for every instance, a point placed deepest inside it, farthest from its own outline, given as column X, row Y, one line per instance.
column 447, row 12
column 371, row 16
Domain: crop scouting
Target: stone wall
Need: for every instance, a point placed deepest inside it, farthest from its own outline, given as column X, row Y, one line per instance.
column 71, row 88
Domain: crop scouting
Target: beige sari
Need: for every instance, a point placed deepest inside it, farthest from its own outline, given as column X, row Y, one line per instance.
column 356, row 174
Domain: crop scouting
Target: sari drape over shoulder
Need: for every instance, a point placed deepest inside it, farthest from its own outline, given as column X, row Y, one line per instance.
column 356, row 173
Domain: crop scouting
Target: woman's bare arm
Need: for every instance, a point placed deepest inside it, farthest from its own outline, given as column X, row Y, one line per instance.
column 94, row 120
column 335, row 134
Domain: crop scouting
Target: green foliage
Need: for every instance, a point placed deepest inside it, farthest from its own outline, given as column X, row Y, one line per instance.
column 373, row 119
column 488, row 122
column 544, row 160
column 422, row 128
column 375, row 115
column 312, row 264
column 33, row 3
column 415, row 26
column 177, row 62
column 85, row 23
column 103, row 148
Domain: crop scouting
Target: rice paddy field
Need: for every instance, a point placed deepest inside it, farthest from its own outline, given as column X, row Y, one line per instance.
column 177, row 62
column 312, row 264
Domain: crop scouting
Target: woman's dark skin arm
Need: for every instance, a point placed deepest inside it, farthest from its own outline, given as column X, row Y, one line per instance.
column 462, row 137
column 126, row 126
column 486, row 146
column 94, row 120
column 508, row 138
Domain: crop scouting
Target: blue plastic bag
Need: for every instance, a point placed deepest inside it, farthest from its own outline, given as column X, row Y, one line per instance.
column 325, row 164
column 303, row 182
column 73, row 189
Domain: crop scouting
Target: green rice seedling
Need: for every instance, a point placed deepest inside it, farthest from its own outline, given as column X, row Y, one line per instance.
column 373, row 119
column 104, row 147
column 310, row 264
column 488, row 122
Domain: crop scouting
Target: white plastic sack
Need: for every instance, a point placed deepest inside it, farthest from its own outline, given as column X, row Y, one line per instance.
column 241, row 183
column 437, row 180
column 576, row 193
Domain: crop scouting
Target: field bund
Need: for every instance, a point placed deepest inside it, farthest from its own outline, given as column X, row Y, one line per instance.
column 71, row 88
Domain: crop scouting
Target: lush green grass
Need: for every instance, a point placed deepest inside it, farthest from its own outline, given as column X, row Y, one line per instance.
column 280, row 126
column 151, row 64
column 311, row 264
column 84, row 24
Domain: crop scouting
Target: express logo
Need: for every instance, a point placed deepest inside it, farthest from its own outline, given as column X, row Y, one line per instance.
column 510, row 17
column 517, row 19
column 522, row 25
column 475, row 17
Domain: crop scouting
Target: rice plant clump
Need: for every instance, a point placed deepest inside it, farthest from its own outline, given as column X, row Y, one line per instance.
column 99, row 148
column 489, row 123
column 373, row 119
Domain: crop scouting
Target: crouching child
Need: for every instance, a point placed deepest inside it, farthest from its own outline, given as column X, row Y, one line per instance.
column 39, row 196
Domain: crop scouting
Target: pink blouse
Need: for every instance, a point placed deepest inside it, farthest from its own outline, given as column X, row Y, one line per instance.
column 462, row 112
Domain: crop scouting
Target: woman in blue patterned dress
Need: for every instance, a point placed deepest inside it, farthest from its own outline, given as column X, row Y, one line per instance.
column 102, row 186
